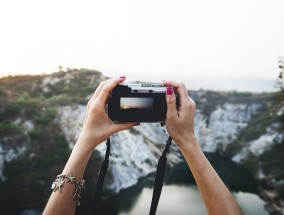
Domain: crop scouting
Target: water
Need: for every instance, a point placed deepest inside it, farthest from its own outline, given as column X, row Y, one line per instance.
column 187, row 200
column 181, row 196
column 174, row 200
column 251, row 203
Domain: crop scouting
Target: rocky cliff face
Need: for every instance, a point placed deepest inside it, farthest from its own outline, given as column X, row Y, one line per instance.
column 223, row 125
column 11, row 147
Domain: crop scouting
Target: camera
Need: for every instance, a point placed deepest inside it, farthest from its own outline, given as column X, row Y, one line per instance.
column 138, row 103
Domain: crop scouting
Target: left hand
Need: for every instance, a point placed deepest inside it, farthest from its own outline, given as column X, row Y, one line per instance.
column 97, row 126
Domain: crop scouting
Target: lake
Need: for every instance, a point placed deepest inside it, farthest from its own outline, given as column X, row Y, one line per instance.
column 180, row 194
column 187, row 200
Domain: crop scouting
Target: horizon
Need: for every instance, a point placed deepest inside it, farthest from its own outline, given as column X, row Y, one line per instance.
column 229, row 84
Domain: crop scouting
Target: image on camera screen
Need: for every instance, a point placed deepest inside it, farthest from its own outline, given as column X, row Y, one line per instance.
column 127, row 103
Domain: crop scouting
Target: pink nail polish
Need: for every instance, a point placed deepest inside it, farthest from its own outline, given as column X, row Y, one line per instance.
column 169, row 90
column 122, row 77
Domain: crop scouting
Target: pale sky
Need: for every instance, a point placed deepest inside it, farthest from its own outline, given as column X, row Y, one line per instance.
column 152, row 39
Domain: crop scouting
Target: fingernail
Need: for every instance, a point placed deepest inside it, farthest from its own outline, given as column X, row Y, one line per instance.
column 122, row 77
column 137, row 124
column 169, row 90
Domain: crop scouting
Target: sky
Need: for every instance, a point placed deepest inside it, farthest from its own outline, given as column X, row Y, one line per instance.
column 138, row 103
column 218, row 44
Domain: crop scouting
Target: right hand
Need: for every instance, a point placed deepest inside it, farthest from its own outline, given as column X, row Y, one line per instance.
column 180, row 120
column 97, row 126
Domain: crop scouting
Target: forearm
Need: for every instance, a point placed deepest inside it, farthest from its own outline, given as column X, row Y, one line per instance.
column 63, row 202
column 97, row 127
column 217, row 197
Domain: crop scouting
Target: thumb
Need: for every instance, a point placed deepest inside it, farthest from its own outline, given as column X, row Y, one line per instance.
column 171, row 101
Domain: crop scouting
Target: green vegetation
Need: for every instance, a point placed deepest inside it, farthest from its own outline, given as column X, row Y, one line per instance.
column 22, row 105
column 76, row 84
column 61, row 99
column 252, row 164
column 46, row 117
column 2, row 91
column 271, row 158
column 79, row 87
column 9, row 128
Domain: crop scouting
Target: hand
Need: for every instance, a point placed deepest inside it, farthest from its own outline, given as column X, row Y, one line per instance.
column 97, row 126
column 180, row 120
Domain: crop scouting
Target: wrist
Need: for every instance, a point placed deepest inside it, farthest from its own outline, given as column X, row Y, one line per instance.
column 78, row 159
column 188, row 143
column 86, row 142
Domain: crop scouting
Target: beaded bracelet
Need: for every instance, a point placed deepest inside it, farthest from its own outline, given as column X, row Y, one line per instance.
column 79, row 185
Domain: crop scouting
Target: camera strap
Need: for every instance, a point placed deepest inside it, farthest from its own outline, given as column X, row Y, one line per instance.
column 100, row 181
column 158, row 185
column 159, row 179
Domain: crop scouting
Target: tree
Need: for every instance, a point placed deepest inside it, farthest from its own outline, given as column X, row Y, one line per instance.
column 60, row 68
column 280, row 79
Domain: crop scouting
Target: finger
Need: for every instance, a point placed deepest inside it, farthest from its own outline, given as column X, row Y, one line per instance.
column 99, row 88
column 106, row 91
column 171, row 102
column 94, row 96
column 180, row 87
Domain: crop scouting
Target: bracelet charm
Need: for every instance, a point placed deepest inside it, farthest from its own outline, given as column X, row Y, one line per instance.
column 57, row 184
column 79, row 185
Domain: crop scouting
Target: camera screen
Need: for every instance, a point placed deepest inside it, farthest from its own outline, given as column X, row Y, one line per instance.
column 127, row 103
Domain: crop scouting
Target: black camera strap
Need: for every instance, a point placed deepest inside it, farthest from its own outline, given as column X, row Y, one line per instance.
column 159, row 179
column 101, row 177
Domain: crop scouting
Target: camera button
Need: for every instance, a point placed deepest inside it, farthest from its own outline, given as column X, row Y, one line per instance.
column 145, row 85
column 156, row 85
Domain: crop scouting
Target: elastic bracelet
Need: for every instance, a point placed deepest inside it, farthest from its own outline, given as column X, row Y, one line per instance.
column 79, row 185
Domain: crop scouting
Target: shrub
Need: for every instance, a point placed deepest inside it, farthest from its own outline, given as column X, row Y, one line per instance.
column 8, row 128
column 12, row 110
column 24, row 105
column 47, row 116
column 61, row 99
column 2, row 91
column 34, row 134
